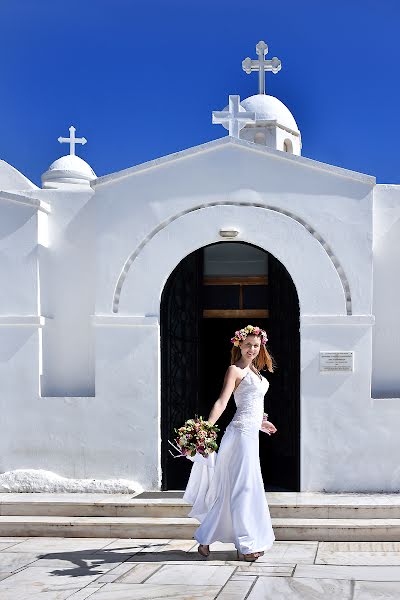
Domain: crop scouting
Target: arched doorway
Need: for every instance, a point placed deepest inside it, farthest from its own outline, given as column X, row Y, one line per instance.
column 211, row 293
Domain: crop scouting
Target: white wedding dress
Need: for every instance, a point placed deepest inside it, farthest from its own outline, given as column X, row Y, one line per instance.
column 226, row 489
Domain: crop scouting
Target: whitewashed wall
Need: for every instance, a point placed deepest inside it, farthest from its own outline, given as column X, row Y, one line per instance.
column 386, row 339
column 68, row 289
column 161, row 212
column 171, row 202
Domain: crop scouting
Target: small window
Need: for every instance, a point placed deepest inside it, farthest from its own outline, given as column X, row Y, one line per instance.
column 288, row 146
column 259, row 138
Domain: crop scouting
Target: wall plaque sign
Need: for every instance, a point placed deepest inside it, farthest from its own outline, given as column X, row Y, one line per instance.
column 336, row 362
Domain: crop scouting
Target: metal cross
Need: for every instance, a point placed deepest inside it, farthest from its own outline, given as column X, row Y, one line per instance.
column 72, row 140
column 236, row 116
column 261, row 65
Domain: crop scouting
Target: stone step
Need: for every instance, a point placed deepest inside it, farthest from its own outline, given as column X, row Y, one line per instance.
column 184, row 528
column 297, row 505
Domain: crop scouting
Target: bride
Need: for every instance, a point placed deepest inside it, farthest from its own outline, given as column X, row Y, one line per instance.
column 226, row 489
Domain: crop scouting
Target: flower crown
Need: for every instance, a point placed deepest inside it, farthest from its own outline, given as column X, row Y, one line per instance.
column 242, row 334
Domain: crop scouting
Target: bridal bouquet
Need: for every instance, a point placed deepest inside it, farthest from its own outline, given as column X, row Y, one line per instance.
column 196, row 436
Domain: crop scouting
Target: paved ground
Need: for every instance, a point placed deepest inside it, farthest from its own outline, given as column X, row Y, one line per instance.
column 136, row 569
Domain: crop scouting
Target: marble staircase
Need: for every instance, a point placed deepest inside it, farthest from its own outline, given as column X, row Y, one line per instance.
column 295, row 516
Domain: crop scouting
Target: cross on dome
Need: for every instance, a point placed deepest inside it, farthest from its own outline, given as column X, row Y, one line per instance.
column 261, row 65
column 72, row 140
column 237, row 117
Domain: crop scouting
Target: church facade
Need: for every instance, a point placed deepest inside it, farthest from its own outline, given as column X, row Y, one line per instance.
column 120, row 294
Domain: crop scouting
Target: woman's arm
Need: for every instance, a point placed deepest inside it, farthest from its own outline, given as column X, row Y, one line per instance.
column 226, row 392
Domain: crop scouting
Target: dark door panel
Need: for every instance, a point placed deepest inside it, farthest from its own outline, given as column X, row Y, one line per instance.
column 195, row 353
column 280, row 453
column 180, row 342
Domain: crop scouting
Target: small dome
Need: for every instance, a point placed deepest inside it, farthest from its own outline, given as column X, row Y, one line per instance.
column 69, row 169
column 269, row 108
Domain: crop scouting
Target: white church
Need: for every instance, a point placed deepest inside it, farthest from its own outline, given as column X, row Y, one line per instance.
column 119, row 295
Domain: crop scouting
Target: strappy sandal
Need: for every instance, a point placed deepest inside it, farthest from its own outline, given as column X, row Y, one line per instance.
column 202, row 552
column 249, row 557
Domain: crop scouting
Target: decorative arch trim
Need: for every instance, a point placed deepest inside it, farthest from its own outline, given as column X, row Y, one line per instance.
column 325, row 246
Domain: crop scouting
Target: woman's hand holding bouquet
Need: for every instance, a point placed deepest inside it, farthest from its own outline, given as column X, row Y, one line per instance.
column 195, row 436
column 267, row 426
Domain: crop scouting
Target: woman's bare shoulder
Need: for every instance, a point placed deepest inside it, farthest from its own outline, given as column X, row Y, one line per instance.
column 233, row 370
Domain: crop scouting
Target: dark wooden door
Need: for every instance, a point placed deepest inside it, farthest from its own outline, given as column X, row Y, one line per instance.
column 192, row 346
column 181, row 306
column 280, row 452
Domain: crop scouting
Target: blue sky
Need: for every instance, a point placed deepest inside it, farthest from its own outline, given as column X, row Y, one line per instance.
column 139, row 79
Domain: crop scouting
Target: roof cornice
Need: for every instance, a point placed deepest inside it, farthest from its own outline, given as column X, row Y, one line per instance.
column 26, row 200
column 231, row 141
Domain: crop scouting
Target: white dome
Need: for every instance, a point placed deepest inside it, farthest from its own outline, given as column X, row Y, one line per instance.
column 69, row 169
column 269, row 108
column 71, row 162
